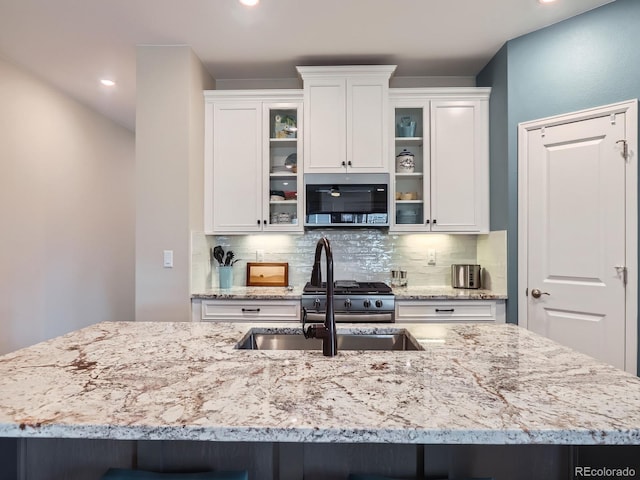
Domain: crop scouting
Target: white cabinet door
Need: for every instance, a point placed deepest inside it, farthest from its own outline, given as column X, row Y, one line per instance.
column 367, row 100
column 250, row 310
column 283, row 211
column 450, row 311
column 346, row 119
column 459, row 167
column 325, row 148
column 410, row 183
column 236, row 170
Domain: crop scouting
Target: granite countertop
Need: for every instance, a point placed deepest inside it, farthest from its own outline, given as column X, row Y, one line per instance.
column 473, row 384
column 250, row 293
column 431, row 292
column 401, row 293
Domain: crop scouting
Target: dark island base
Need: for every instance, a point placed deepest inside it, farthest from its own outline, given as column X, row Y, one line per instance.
column 78, row 459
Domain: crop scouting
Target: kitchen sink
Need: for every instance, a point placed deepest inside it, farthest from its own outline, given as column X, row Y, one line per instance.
column 399, row 340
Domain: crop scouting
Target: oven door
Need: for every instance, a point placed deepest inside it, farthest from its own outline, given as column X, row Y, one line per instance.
column 349, row 317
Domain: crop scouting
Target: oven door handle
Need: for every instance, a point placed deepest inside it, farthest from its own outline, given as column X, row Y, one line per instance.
column 351, row 317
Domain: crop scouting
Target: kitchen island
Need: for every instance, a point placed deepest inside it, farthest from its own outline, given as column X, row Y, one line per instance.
column 471, row 385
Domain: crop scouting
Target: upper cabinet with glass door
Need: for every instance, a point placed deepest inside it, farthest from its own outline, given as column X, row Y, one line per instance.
column 410, row 189
column 253, row 161
column 283, row 191
column 440, row 164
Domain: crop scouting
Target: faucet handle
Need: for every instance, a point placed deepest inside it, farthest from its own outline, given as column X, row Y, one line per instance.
column 304, row 321
column 308, row 332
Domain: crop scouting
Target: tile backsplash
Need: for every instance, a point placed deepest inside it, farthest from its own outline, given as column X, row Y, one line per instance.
column 362, row 254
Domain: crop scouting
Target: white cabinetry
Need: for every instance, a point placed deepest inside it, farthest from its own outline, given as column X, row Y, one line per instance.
column 246, row 310
column 447, row 131
column 346, row 118
column 249, row 135
column 450, row 311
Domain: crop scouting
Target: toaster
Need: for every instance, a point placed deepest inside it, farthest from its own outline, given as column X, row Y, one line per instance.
column 466, row 276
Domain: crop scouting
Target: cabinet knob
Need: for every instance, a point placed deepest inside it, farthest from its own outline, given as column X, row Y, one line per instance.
column 349, row 163
column 428, row 221
column 434, row 221
column 258, row 221
column 344, row 164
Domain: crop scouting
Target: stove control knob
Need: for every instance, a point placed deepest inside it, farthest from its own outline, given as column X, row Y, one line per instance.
column 379, row 303
column 347, row 303
column 367, row 303
column 316, row 303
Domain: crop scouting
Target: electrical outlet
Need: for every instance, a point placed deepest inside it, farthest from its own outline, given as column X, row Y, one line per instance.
column 431, row 256
column 260, row 255
column 167, row 258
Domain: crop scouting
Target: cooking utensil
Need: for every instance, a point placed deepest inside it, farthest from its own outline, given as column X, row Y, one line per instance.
column 228, row 259
column 218, row 254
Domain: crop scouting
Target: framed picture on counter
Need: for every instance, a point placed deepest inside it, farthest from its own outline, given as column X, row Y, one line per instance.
column 267, row 274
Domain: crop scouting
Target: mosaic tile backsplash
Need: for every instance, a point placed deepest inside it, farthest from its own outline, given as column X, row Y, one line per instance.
column 363, row 255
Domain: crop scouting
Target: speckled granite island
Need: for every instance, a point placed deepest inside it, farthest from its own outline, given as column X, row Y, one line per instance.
column 472, row 385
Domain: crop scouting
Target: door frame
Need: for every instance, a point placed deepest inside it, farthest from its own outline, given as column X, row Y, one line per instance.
column 630, row 108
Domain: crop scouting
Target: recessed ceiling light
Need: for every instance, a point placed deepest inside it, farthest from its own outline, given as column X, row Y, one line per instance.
column 544, row 2
column 249, row 3
column 107, row 83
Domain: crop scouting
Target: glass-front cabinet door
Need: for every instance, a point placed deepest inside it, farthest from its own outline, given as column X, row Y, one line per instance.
column 283, row 189
column 410, row 172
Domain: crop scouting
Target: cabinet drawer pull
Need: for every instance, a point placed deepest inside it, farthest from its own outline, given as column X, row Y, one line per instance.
column 250, row 309
column 445, row 310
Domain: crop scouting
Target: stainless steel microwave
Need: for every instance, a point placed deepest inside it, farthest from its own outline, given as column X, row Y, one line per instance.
column 346, row 200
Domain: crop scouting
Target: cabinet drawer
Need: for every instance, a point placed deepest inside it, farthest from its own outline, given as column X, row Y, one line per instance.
column 248, row 310
column 446, row 311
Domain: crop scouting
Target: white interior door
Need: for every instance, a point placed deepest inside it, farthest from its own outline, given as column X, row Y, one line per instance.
column 576, row 235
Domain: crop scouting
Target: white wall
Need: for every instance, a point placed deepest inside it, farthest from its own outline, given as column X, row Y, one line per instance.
column 169, row 171
column 66, row 213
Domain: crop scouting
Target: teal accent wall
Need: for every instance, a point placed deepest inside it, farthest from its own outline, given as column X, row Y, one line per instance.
column 590, row 60
column 503, row 200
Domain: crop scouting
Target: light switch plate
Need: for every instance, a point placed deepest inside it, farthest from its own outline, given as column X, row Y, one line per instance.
column 431, row 256
column 167, row 259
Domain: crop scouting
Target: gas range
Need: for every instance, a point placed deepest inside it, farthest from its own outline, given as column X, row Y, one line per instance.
column 352, row 302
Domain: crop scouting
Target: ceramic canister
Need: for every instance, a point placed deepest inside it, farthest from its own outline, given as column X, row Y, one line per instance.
column 405, row 162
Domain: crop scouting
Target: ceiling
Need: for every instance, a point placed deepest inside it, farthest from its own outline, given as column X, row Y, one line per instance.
column 71, row 44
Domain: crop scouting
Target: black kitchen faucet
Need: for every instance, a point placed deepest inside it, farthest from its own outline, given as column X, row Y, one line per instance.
column 326, row 332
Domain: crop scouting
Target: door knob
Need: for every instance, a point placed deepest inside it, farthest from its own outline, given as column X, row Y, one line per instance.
column 535, row 293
